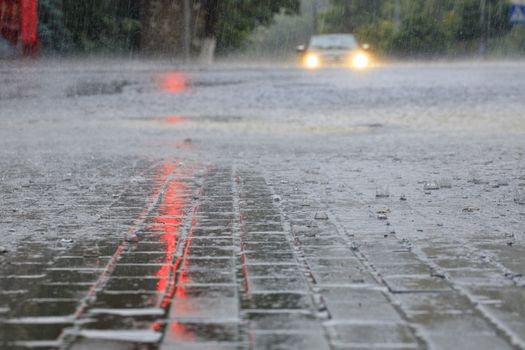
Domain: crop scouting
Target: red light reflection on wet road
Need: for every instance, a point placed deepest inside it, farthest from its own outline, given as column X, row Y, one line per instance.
column 179, row 331
column 173, row 82
column 172, row 275
column 175, row 119
column 169, row 219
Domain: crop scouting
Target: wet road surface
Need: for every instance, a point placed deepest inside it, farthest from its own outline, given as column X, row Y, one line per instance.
column 148, row 206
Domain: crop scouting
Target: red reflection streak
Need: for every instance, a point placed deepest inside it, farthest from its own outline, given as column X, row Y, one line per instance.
column 179, row 330
column 173, row 82
column 165, row 171
column 168, row 222
column 175, row 119
column 172, row 275
column 181, row 264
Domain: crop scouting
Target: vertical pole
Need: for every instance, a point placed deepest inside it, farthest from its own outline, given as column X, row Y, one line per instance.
column 315, row 8
column 482, row 26
column 186, row 40
column 397, row 15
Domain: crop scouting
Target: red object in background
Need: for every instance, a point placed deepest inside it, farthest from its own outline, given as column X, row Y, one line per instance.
column 28, row 22
column 18, row 23
column 9, row 20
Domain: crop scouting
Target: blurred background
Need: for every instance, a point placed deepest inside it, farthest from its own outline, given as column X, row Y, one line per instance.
column 261, row 28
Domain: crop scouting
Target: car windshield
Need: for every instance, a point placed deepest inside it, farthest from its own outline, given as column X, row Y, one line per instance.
column 324, row 42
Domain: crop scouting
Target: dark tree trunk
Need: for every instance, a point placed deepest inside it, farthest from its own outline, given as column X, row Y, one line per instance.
column 211, row 29
column 212, row 9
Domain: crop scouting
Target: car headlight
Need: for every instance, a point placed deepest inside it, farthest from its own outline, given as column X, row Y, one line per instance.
column 312, row 61
column 360, row 61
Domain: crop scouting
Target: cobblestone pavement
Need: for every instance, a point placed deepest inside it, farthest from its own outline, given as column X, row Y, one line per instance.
column 262, row 208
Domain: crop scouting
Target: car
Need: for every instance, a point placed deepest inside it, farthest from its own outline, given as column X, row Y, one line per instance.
column 340, row 50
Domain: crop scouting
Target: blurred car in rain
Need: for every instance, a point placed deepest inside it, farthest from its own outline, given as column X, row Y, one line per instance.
column 341, row 50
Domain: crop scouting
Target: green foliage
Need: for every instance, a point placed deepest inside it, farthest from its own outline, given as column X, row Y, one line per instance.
column 470, row 27
column 428, row 27
column 115, row 25
column 51, row 30
column 102, row 25
column 347, row 16
column 239, row 18
column 88, row 25
column 378, row 34
column 420, row 36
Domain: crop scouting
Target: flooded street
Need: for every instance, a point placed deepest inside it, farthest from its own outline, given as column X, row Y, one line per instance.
column 146, row 205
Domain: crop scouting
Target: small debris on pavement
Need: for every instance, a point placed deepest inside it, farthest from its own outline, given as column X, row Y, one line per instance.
column 276, row 198
column 431, row 186
column 437, row 274
column 403, row 197
column 519, row 196
column 470, row 209
column 383, row 214
column 382, row 192
column 3, row 250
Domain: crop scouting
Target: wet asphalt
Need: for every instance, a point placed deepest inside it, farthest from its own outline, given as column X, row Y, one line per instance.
column 149, row 205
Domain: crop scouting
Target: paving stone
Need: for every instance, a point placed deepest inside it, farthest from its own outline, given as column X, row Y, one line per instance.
column 283, row 320
column 146, row 284
column 214, row 290
column 126, row 299
column 31, row 329
column 288, row 284
column 303, row 340
column 178, row 333
column 380, row 335
column 204, row 309
column 141, row 270
column 278, row 301
column 416, row 284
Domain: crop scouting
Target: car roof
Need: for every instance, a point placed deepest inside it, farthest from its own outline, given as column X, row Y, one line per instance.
column 334, row 35
column 326, row 41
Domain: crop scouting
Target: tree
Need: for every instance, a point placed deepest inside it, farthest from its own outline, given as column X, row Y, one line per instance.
column 428, row 27
column 230, row 22
column 470, row 26
column 52, row 33
column 347, row 16
column 103, row 25
column 420, row 36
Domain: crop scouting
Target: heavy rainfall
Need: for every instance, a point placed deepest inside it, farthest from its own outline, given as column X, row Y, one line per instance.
column 262, row 174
